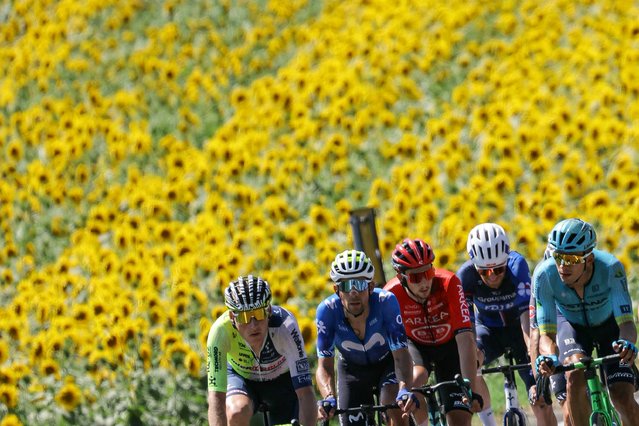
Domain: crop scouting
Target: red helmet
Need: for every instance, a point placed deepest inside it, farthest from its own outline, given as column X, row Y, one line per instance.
column 411, row 254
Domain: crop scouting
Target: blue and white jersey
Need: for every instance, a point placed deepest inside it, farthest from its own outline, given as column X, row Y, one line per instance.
column 605, row 295
column 497, row 307
column 384, row 329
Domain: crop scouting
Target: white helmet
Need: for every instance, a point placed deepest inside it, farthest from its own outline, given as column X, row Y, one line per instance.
column 488, row 245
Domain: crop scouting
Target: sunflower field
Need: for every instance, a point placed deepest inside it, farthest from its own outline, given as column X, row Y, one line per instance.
column 152, row 151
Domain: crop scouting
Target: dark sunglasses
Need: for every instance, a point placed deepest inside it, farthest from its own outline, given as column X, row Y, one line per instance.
column 486, row 272
column 347, row 285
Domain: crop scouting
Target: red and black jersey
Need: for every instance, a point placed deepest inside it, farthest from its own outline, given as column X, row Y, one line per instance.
column 442, row 317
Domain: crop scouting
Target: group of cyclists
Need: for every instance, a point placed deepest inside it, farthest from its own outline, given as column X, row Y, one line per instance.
column 425, row 321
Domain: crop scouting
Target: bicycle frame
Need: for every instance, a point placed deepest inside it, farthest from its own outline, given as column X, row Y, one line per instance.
column 513, row 407
column 599, row 399
column 436, row 414
column 367, row 410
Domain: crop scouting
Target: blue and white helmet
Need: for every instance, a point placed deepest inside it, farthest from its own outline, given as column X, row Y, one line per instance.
column 572, row 236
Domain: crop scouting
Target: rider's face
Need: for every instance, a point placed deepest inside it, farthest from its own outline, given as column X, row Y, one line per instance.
column 254, row 331
column 355, row 301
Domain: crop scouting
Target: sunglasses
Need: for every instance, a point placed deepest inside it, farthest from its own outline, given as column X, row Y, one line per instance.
column 244, row 317
column 486, row 272
column 416, row 275
column 569, row 259
column 348, row 285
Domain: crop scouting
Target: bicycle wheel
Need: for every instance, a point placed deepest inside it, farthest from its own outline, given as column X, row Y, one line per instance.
column 598, row 419
column 514, row 418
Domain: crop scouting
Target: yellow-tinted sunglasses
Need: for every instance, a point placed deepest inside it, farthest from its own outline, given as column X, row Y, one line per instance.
column 244, row 317
column 569, row 259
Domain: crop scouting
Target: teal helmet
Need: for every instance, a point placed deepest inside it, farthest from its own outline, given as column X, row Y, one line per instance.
column 572, row 236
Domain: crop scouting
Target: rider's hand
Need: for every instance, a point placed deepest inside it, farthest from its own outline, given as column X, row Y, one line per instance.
column 407, row 400
column 545, row 364
column 627, row 351
column 326, row 407
column 539, row 393
column 476, row 403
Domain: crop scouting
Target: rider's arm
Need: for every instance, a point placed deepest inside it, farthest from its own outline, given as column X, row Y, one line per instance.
column 403, row 367
column 628, row 331
column 467, row 349
column 325, row 376
column 308, row 410
column 217, row 408
column 217, row 346
column 524, row 319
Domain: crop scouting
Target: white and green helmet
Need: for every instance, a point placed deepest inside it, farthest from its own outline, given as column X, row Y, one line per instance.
column 352, row 264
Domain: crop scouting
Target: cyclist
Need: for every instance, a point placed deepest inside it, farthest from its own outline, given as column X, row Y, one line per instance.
column 557, row 381
column 589, row 288
column 365, row 325
column 438, row 326
column 255, row 354
column 496, row 282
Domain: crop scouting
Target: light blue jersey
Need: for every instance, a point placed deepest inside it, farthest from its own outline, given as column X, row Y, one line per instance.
column 605, row 295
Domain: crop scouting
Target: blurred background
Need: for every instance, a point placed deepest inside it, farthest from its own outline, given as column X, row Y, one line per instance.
column 152, row 151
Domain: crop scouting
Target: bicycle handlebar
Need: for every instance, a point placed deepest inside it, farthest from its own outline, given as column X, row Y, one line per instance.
column 464, row 384
column 587, row 362
column 505, row 368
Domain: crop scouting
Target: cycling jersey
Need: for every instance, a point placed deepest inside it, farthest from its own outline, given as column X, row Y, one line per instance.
column 442, row 317
column 604, row 295
column 497, row 307
column 282, row 351
column 384, row 329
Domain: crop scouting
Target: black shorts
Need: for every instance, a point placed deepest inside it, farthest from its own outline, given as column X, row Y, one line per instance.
column 278, row 394
column 357, row 384
column 576, row 339
column 444, row 360
column 493, row 341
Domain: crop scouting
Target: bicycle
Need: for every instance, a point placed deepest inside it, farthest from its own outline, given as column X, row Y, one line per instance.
column 266, row 418
column 368, row 411
column 603, row 412
column 436, row 416
column 513, row 414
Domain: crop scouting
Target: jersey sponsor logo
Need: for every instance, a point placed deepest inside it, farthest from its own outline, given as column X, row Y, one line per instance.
column 569, row 341
column 415, row 312
column 298, row 342
column 376, row 339
column 428, row 320
column 321, row 328
column 432, row 333
column 384, row 295
column 523, row 289
column 355, row 418
column 625, row 309
column 373, row 321
column 326, row 353
column 301, row 365
column 497, row 308
column 463, row 304
column 216, row 360
column 330, row 302
column 304, row 380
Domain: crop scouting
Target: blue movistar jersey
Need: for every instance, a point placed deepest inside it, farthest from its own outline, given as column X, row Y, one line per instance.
column 605, row 295
column 384, row 329
column 497, row 307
